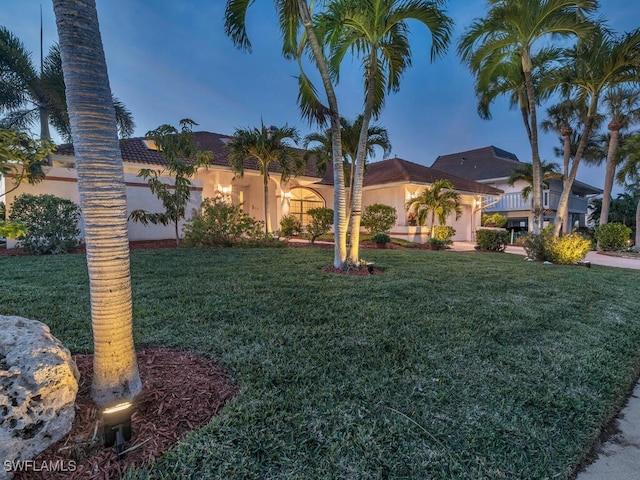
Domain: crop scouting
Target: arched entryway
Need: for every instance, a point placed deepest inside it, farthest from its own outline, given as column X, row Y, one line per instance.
column 302, row 200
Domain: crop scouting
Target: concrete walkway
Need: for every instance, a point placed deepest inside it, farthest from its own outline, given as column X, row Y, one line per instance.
column 619, row 457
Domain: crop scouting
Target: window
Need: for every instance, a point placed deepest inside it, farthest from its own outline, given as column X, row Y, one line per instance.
column 302, row 200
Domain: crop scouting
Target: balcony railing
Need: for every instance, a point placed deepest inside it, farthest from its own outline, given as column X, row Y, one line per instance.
column 511, row 202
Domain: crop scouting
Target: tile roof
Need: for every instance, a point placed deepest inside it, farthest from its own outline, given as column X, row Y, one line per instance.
column 479, row 164
column 134, row 150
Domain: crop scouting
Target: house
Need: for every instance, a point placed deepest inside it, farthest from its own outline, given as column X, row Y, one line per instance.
column 392, row 182
column 492, row 166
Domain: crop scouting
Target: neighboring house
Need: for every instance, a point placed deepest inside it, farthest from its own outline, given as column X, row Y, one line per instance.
column 492, row 166
column 392, row 182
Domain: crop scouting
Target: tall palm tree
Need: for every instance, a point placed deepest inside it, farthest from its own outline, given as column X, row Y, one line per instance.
column 438, row 201
column 377, row 137
column 623, row 108
column 102, row 200
column 267, row 146
column 630, row 170
column 524, row 173
column 294, row 14
column 511, row 32
column 29, row 96
column 377, row 32
column 601, row 62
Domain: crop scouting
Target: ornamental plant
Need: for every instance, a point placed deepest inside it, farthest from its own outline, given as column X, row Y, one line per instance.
column 492, row 240
column 290, row 225
column 381, row 239
column 321, row 221
column 612, row 236
column 444, row 233
column 379, row 218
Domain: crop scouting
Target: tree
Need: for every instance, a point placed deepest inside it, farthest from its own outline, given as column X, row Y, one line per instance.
column 524, row 172
column 630, row 170
column 28, row 97
column 623, row 108
column 377, row 31
column 293, row 14
column 438, row 201
column 508, row 34
column 268, row 147
column 350, row 132
column 598, row 63
column 22, row 157
column 102, row 199
column 183, row 159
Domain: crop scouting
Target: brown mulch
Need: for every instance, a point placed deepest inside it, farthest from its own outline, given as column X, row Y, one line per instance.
column 181, row 392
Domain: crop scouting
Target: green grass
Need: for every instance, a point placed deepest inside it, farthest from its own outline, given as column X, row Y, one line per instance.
column 448, row 365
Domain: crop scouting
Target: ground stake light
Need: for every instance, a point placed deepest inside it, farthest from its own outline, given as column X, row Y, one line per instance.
column 116, row 426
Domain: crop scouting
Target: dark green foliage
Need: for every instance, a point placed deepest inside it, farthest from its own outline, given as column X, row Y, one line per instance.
column 436, row 243
column 379, row 218
column 612, row 236
column 492, row 240
column 321, row 221
column 221, row 224
column 290, row 225
column 546, row 247
column 381, row 238
column 51, row 222
column 493, row 220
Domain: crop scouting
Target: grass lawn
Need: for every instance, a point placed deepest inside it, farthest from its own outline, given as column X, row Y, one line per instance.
column 448, row 365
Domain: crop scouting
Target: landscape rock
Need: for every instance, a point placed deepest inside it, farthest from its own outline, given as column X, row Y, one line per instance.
column 38, row 387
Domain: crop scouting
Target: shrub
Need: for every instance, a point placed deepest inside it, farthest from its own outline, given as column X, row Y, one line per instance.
column 321, row 221
column 290, row 225
column 492, row 240
column 379, row 218
column 436, row 243
column 381, row 239
column 51, row 223
column 565, row 250
column 221, row 224
column 493, row 220
column 444, row 233
column 612, row 236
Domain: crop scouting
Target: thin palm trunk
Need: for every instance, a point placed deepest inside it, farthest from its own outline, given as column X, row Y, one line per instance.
column 563, row 204
column 566, row 135
column 267, row 217
column 45, row 134
column 339, row 202
column 102, row 200
column 536, row 204
column 609, row 173
column 637, row 245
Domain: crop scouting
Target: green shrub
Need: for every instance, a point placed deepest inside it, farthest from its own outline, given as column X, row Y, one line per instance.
column 436, row 243
column 568, row 249
column 222, row 224
column 12, row 229
column 444, row 233
column 492, row 240
column 493, row 220
column 379, row 218
column 612, row 237
column 381, row 239
column 321, row 222
column 51, row 223
column 290, row 225
column 534, row 246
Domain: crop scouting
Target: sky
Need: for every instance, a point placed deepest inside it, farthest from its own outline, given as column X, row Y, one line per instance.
column 169, row 60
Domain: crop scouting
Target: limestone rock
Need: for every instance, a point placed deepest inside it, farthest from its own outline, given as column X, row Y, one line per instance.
column 38, row 387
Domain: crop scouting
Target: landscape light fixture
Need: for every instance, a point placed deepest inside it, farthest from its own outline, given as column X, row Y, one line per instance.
column 116, row 426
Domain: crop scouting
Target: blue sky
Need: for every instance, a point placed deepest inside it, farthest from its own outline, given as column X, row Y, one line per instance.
column 170, row 59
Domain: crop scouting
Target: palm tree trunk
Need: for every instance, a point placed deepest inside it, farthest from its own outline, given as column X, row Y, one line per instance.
column 102, row 200
column 358, row 180
column 637, row 246
column 610, row 171
column 339, row 202
column 45, row 134
column 565, row 172
column 563, row 204
column 267, row 216
column 536, row 203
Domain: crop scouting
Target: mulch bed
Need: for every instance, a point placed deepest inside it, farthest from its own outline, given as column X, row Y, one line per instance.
column 181, row 392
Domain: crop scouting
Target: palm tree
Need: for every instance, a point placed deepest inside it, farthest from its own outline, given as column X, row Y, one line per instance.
column 524, row 173
column 28, row 96
column 630, row 170
column 267, row 147
column 377, row 31
column 623, row 108
column 508, row 34
column 601, row 62
column 438, row 201
column 292, row 15
column 377, row 137
column 102, row 200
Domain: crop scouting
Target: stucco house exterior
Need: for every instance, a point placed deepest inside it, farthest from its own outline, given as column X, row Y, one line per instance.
column 492, row 166
column 392, row 182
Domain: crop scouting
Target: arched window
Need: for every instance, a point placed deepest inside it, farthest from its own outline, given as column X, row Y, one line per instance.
column 302, row 200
